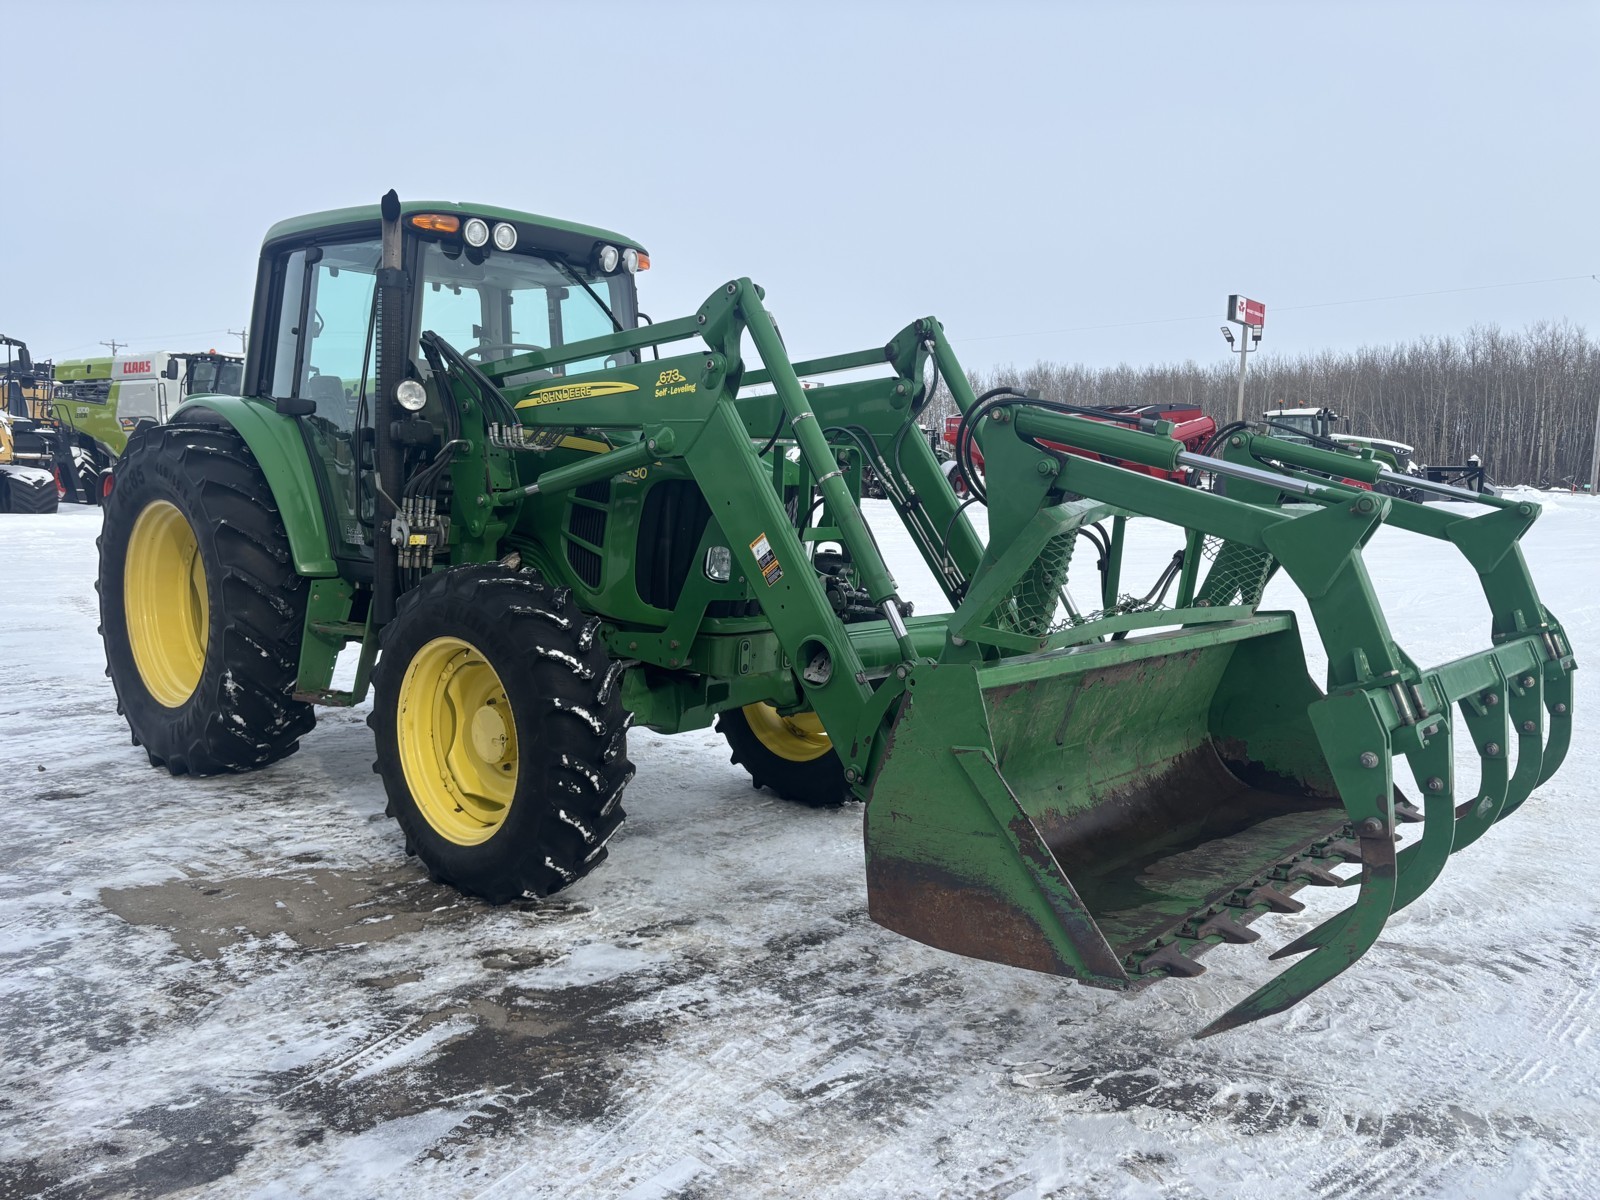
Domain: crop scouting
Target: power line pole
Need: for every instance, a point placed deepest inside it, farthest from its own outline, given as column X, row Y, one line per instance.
column 241, row 334
column 115, row 346
column 1594, row 460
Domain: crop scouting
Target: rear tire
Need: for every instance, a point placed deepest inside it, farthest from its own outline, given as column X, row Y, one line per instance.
column 501, row 736
column 785, row 755
column 201, row 609
column 86, row 477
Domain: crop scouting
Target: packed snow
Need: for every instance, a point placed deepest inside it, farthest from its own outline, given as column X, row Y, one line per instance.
column 241, row 986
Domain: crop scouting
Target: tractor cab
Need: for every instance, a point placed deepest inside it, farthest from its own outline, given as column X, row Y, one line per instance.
column 207, row 374
column 1302, row 425
column 492, row 284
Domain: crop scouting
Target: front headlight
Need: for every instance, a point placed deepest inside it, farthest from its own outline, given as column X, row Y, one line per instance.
column 476, row 231
column 630, row 259
column 505, row 236
column 719, row 564
column 607, row 257
column 411, row 395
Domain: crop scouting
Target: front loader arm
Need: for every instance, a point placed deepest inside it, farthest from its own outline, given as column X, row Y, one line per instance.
column 1072, row 847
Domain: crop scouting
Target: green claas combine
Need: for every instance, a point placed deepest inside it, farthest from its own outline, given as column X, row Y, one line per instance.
column 542, row 520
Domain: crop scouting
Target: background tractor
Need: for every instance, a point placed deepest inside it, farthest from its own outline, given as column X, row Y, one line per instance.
column 29, row 448
column 452, row 452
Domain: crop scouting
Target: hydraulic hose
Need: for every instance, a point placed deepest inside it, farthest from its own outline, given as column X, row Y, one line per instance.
column 393, row 318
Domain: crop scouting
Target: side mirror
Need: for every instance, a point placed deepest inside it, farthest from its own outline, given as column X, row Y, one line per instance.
column 170, row 371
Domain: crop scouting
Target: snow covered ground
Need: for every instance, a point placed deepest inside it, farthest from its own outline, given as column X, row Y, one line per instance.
column 241, row 986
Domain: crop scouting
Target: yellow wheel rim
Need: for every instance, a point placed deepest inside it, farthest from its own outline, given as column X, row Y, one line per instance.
column 165, row 605
column 458, row 741
column 797, row 738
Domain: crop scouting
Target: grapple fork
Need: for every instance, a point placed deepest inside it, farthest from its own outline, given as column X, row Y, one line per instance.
column 1148, row 780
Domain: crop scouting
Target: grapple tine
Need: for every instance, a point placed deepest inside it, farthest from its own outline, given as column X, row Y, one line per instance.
column 1527, row 717
column 1558, row 703
column 1488, row 721
column 1418, row 865
column 1360, row 927
column 1347, row 725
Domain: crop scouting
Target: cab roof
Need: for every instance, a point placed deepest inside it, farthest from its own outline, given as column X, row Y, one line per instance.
column 335, row 218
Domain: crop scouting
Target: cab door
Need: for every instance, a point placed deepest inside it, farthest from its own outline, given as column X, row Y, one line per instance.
column 321, row 365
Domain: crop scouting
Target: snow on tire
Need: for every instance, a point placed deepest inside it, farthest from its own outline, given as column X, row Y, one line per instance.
column 501, row 736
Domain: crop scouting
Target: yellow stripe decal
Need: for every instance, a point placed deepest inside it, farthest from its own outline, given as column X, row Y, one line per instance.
column 573, row 391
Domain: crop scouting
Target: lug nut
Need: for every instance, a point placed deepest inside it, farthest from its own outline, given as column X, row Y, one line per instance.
column 1436, row 784
column 1527, row 681
column 1491, row 699
column 1492, row 749
column 1560, row 708
column 1530, row 727
column 1369, row 759
column 1371, row 827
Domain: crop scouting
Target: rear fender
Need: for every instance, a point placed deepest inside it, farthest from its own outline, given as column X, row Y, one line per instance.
column 280, row 450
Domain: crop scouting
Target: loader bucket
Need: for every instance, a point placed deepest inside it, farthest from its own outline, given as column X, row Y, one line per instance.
column 1076, row 813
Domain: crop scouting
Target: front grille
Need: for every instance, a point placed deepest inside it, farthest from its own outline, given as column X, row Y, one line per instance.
column 585, row 563
column 586, row 522
column 671, row 524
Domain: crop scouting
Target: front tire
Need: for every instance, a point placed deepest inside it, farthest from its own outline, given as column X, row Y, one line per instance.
column 791, row 755
column 501, row 736
column 201, row 610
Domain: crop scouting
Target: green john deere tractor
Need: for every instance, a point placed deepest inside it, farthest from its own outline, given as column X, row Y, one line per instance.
column 541, row 520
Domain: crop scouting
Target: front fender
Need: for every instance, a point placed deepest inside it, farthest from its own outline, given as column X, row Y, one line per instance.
column 280, row 450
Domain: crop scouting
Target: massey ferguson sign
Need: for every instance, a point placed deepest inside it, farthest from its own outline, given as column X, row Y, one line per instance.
column 1244, row 311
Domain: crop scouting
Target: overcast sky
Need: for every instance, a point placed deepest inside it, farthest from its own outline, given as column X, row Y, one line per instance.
column 1073, row 182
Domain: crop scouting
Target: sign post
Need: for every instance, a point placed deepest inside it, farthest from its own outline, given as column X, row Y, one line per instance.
column 1252, row 315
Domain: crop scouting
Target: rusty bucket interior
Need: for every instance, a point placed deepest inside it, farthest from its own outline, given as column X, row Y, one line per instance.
column 1075, row 812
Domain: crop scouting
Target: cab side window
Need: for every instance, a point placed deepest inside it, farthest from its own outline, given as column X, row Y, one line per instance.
column 323, row 349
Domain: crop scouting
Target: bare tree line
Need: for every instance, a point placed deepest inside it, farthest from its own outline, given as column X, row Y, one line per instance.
column 1525, row 402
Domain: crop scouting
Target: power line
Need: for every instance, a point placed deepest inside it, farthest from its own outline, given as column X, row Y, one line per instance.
column 1480, row 287
column 114, row 344
column 145, row 337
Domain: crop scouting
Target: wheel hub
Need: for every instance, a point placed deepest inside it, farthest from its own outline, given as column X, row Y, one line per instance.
column 798, row 737
column 457, row 740
column 165, row 603
column 490, row 738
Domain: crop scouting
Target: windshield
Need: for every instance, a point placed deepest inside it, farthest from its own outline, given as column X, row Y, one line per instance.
column 1306, row 425
column 495, row 306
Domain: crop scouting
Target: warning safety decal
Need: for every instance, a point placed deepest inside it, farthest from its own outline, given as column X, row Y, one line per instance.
column 766, row 560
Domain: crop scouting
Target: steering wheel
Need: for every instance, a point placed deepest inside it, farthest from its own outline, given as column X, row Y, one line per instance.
column 478, row 351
